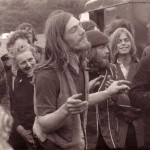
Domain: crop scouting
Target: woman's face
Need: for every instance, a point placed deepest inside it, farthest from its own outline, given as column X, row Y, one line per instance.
column 123, row 44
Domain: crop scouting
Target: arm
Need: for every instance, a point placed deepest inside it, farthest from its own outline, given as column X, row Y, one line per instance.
column 49, row 117
column 53, row 121
column 114, row 88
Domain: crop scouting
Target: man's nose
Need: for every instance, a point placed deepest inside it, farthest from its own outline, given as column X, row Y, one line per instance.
column 28, row 64
column 81, row 30
column 122, row 42
column 106, row 50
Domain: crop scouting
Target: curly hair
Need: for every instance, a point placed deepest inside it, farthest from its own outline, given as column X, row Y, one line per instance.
column 15, row 36
column 24, row 26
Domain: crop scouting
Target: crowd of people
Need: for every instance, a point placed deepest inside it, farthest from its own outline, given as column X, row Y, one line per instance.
column 86, row 90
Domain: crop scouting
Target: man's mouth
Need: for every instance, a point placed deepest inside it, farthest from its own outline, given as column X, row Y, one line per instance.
column 27, row 68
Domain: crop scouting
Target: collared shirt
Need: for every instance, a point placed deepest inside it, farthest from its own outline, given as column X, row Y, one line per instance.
column 125, row 70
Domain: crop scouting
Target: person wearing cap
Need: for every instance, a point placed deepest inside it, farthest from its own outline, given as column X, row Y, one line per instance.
column 110, row 120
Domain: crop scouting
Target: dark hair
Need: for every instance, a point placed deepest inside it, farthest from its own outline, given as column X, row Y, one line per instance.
column 119, row 23
column 23, row 26
column 56, row 51
column 15, row 36
column 88, row 25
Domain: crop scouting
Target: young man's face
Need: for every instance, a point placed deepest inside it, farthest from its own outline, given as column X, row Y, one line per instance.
column 75, row 36
column 26, row 62
column 102, row 56
column 124, row 44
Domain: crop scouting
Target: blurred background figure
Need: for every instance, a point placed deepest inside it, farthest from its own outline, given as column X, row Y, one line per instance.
column 89, row 25
column 32, row 35
column 119, row 23
column 5, row 129
column 146, row 51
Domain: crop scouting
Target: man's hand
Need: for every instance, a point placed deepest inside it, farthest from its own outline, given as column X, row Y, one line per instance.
column 117, row 86
column 75, row 105
column 26, row 134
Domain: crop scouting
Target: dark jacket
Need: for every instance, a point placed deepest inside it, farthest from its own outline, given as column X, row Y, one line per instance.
column 22, row 100
column 135, row 129
column 140, row 95
column 112, row 127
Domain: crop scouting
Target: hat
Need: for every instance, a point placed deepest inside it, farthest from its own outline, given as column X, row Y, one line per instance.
column 96, row 38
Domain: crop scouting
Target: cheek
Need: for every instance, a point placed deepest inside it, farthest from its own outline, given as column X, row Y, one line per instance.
column 21, row 67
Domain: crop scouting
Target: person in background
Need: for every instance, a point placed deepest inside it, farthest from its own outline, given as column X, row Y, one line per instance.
column 140, row 95
column 112, row 126
column 61, row 86
column 146, row 50
column 4, row 91
column 32, row 35
column 123, row 49
column 89, row 25
column 119, row 23
column 24, row 59
column 6, row 122
column 17, row 40
column 124, row 56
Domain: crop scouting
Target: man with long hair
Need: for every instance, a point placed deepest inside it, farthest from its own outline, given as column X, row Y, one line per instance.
column 61, row 86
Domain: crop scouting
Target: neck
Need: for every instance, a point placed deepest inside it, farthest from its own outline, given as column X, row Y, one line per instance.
column 74, row 61
column 124, row 59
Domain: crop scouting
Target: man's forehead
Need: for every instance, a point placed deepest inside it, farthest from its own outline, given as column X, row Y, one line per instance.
column 71, row 23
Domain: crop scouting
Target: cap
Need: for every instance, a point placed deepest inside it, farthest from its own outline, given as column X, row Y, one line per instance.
column 97, row 38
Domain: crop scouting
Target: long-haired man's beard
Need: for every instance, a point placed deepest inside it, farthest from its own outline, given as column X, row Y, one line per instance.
column 104, row 63
column 82, row 48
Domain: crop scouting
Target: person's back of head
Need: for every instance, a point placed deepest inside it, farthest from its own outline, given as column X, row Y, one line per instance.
column 20, row 34
column 28, row 27
column 89, row 25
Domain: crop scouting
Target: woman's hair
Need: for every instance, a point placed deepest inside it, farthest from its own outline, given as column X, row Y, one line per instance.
column 21, row 50
column 119, row 23
column 23, row 26
column 56, row 50
column 114, row 40
column 15, row 36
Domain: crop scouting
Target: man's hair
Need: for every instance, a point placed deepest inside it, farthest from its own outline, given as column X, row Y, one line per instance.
column 114, row 40
column 15, row 36
column 23, row 26
column 119, row 23
column 56, row 50
column 89, row 25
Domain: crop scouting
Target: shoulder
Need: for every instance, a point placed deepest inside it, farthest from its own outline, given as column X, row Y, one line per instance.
column 145, row 61
column 46, row 74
